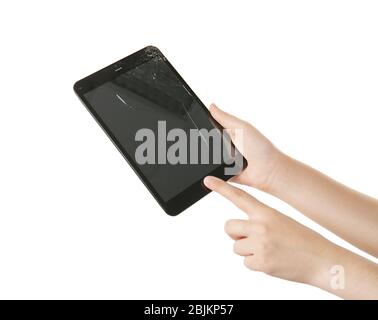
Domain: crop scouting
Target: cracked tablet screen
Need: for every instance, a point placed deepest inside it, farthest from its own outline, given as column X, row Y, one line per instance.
column 152, row 97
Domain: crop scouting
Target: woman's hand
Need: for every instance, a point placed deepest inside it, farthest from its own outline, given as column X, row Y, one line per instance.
column 277, row 245
column 272, row 242
column 329, row 203
column 264, row 159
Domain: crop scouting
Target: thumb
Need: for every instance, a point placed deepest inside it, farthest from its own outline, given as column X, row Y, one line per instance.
column 227, row 120
column 234, row 126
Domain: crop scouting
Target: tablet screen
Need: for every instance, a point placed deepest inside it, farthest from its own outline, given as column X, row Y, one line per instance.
column 147, row 99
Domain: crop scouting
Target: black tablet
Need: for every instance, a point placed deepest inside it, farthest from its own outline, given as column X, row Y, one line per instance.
column 160, row 126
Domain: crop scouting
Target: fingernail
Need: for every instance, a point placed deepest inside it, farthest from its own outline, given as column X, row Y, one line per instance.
column 209, row 181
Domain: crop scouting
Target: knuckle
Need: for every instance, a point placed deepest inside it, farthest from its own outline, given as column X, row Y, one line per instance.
column 237, row 192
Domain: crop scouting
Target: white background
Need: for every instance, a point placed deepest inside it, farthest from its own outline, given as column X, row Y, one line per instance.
column 76, row 222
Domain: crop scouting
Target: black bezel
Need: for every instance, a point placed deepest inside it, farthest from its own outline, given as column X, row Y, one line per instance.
column 194, row 192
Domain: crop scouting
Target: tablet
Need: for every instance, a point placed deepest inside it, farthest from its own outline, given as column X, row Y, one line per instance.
column 160, row 126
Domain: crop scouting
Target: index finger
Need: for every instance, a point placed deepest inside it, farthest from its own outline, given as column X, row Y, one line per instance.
column 239, row 197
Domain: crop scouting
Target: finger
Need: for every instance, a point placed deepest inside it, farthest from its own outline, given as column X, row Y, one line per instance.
column 240, row 198
column 244, row 247
column 242, row 133
column 237, row 228
column 227, row 120
column 234, row 127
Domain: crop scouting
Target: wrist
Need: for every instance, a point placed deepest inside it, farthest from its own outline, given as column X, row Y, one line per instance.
column 282, row 168
column 346, row 274
column 329, row 262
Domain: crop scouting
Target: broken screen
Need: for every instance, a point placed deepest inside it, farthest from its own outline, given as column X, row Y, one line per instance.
column 152, row 98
